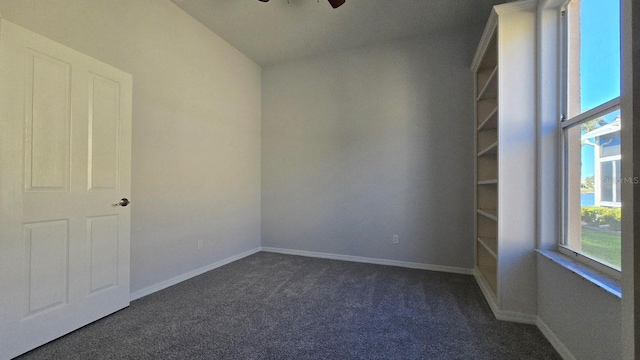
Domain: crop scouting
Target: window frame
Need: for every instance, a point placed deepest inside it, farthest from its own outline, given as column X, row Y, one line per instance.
column 616, row 181
column 566, row 123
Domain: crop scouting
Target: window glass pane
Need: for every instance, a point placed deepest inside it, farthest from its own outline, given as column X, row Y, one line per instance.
column 593, row 54
column 606, row 181
column 610, row 145
column 592, row 190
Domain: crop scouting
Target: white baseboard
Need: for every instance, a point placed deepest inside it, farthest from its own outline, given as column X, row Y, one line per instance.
column 360, row 259
column 553, row 339
column 499, row 314
column 503, row 315
column 486, row 291
column 178, row 279
column 516, row 317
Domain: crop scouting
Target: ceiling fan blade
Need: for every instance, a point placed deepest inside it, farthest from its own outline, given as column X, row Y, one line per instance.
column 336, row 3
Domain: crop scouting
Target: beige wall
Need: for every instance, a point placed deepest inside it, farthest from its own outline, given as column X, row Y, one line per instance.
column 584, row 317
column 363, row 144
column 196, row 126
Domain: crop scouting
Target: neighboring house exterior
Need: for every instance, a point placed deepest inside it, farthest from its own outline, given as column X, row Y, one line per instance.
column 607, row 177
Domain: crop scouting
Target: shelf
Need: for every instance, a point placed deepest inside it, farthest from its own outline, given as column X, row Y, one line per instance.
column 491, row 121
column 488, row 266
column 490, row 56
column 484, row 108
column 486, row 138
column 491, row 244
column 489, row 213
column 489, row 150
column 487, row 167
column 483, row 77
column 504, row 88
column 487, row 228
column 489, row 274
column 490, row 88
column 487, row 198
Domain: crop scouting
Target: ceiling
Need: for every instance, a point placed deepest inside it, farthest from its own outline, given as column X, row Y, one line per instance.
column 281, row 30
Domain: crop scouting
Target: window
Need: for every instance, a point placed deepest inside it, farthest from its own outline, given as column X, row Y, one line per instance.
column 591, row 154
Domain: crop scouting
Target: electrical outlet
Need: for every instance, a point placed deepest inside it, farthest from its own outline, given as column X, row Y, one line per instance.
column 395, row 240
column 200, row 245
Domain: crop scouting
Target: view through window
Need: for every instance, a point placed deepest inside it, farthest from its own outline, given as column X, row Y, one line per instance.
column 591, row 131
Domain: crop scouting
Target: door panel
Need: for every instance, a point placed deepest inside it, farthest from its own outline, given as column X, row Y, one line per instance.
column 65, row 157
column 48, row 123
column 102, row 237
column 104, row 117
column 47, row 251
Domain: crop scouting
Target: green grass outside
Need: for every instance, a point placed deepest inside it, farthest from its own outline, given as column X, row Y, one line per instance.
column 605, row 246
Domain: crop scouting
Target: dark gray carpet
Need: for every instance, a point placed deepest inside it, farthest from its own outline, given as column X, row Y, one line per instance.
column 271, row 306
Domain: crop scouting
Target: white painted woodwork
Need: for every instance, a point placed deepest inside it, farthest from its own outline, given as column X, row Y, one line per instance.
column 65, row 145
column 102, row 239
column 104, row 99
column 48, row 123
column 47, row 249
column 505, row 68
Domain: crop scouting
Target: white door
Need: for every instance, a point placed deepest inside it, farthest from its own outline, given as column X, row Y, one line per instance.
column 65, row 144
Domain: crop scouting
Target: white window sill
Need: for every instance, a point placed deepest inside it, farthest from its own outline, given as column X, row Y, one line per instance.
column 599, row 279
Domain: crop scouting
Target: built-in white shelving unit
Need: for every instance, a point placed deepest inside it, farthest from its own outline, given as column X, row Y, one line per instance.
column 504, row 68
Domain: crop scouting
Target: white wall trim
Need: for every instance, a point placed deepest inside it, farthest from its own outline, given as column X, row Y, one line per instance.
column 360, row 259
column 503, row 315
column 493, row 22
column 499, row 314
column 180, row 278
column 553, row 339
column 488, row 293
column 516, row 317
column 487, row 35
